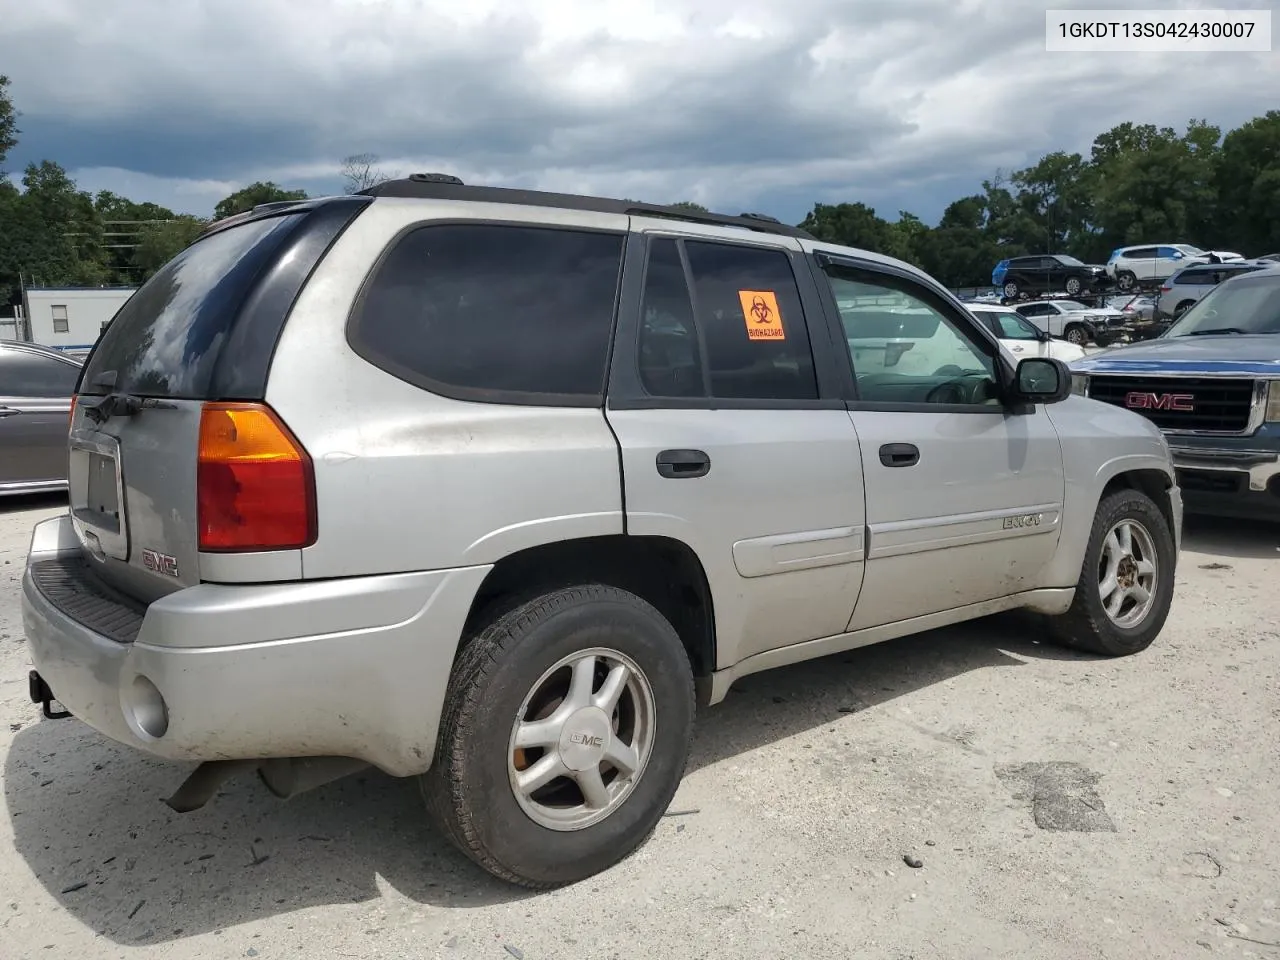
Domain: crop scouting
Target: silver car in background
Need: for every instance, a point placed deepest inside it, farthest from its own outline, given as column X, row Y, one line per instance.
column 1184, row 289
column 36, row 384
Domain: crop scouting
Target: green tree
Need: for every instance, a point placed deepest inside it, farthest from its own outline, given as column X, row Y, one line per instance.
column 1248, row 183
column 51, row 232
column 242, row 201
column 688, row 205
column 160, row 242
column 8, row 122
column 1055, row 201
column 1154, row 185
column 850, row 224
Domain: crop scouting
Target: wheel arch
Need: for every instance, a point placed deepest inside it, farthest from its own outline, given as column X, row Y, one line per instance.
column 1145, row 472
column 663, row 571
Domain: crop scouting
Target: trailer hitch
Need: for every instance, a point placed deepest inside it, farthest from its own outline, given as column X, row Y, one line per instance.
column 41, row 694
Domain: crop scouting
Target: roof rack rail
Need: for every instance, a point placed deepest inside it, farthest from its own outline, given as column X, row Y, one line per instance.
column 441, row 186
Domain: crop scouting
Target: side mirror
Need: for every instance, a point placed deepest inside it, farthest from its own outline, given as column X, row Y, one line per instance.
column 1041, row 380
column 1178, row 255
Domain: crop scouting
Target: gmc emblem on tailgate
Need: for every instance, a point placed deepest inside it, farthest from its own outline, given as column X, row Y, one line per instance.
column 1160, row 401
column 160, row 562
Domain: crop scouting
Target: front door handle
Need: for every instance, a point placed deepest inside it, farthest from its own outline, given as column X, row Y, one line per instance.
column 8, row 412
column 683, row 464
column 899, row 454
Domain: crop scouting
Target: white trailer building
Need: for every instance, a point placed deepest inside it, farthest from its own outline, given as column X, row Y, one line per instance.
column 70, row 318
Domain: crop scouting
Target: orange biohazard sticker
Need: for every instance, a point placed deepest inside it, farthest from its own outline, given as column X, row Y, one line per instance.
column 764, row 319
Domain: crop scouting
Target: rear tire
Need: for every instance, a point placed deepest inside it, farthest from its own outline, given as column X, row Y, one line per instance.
column 1126, row 281
column 515, row 683
column 1131, row 553
column 1073, row 286
column 1010, row 290
column 1182, row 308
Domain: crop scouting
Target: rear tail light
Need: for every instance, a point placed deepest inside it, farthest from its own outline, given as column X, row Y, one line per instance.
column 71, row 417
column 255, row 485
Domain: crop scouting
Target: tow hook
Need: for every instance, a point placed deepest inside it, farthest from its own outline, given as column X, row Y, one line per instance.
column 41, row 694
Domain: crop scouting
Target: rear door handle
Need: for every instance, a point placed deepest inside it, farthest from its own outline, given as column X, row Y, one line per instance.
column 683, row 464
column 8, row 412
column 899, row 454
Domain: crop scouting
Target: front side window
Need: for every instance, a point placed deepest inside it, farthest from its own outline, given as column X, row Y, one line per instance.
column 494, row 311
column 906, row 348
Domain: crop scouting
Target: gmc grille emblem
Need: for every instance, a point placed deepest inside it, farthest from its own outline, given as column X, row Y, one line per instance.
column 1160, row 401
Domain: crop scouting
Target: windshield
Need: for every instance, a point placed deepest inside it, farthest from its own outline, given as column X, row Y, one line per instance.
column 1069, row 261
column 1248, row 304
column 1189, row 250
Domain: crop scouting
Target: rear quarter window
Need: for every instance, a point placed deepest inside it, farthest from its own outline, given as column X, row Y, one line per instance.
column 165, row 340
column 494, row 312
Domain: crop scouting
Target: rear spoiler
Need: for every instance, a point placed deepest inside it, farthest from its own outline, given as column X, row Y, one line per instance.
column 261, row 210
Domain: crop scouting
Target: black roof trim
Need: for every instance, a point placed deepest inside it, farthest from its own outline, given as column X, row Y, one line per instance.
column 442, row 187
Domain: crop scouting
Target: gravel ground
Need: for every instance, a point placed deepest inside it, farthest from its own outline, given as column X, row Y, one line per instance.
column 1060, row 806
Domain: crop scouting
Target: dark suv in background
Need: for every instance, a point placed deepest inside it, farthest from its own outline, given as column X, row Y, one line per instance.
column 1047, row 273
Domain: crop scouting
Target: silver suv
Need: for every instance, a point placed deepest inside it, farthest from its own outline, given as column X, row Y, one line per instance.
column 493, row 487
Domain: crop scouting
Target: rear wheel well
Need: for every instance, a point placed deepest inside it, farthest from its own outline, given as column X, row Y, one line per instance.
column 660, row 570
column 1154, row 483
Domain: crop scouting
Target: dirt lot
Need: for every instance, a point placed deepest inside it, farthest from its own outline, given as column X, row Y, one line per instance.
column 1063, row 807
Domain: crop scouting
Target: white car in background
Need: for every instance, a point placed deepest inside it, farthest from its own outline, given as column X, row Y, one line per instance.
column 1072, row 320
column 1133, row 266
column 1021, row 337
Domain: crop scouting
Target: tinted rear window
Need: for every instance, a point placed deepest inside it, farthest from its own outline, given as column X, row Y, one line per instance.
column 164, row 341
column 494, row 312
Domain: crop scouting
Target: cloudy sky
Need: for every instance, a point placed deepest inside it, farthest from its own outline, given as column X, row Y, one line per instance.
column 766, row 105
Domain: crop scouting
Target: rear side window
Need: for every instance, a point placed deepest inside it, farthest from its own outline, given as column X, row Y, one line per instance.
column 494, row 312
column 745, row 313
column 25, row 374
column 1196, row 278
column 165, row 340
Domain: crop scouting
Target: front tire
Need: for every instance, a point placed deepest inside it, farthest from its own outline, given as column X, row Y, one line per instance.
column 1076, row 334
column 1010, row 290
column 1073, row 286
column 1126, row 584
column 565, row 733
column 1126, row 281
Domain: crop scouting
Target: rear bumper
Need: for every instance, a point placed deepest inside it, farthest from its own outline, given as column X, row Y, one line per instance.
column 355, row 667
